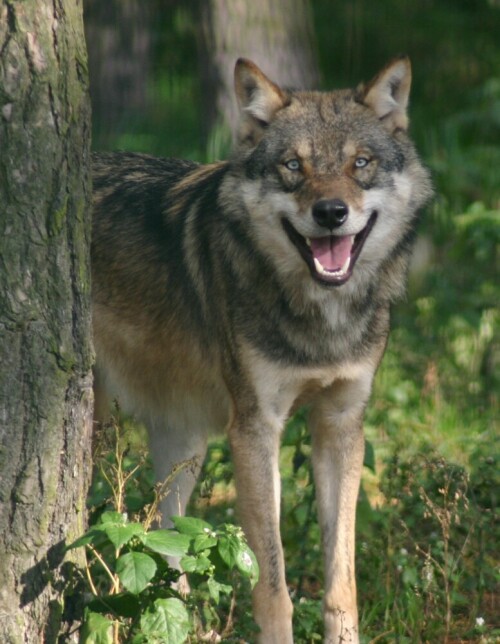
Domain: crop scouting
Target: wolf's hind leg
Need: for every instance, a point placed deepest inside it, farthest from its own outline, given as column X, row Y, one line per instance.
column 172, row 448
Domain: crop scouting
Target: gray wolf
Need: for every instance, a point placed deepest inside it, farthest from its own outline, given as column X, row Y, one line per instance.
column 227, row 295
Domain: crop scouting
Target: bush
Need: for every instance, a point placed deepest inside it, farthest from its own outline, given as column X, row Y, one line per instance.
column 132, row 592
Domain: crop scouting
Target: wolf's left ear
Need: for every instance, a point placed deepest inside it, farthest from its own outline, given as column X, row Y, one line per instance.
column 388, row 94
column 258, row 97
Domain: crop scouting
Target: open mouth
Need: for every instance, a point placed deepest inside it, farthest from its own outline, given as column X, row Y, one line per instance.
column 331, row 258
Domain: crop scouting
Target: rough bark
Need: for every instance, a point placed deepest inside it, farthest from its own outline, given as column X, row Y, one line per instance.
column 276, row 34
column 45, row 346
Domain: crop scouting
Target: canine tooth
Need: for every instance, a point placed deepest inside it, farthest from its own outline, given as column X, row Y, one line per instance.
column 345, row 267
column 319, row 267
column 308, row 241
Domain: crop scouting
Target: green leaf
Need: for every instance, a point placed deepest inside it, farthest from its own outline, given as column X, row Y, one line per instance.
column 96, row 629
column 120, row 534
column 192, row 526
column 135, row 570
column 112, row 517
column 229, row 547
column 167, row 622
column 94, row 536
column 204, row 541
column 246, row 563
column 215, row 588
column 199, row 563
column 167, row 542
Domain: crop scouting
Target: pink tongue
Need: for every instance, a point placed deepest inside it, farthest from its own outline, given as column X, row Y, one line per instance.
column 332, row 252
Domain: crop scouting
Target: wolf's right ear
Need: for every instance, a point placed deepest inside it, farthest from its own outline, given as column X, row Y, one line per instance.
column 258, row 97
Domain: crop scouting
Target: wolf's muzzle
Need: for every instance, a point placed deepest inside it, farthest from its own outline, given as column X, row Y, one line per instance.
column 330, row 213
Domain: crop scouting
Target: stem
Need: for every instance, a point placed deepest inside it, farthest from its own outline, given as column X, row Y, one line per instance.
column 89, row 576
column 228, row 628
column 114, row 579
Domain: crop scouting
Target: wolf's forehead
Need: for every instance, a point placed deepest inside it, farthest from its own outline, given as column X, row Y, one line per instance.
column 316, row 123
column 315, row 119
column 327, row 108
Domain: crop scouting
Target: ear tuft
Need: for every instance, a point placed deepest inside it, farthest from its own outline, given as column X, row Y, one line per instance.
column 388, row 94
column 258, row 97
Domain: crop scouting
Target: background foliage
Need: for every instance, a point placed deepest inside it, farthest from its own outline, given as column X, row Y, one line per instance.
column 427, row 537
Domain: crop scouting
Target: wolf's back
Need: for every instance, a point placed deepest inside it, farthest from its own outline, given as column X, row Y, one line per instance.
column 140, row 242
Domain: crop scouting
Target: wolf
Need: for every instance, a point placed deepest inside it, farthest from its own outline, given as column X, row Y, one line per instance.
column 227, row 295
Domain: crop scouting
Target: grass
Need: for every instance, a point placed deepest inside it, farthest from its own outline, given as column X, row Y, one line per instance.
column 427, row 559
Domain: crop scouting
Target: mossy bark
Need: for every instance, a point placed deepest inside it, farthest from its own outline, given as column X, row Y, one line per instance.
column 45, row 339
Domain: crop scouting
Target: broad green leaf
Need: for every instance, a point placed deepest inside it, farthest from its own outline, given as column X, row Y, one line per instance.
column 192, row 526
column 96, row 629
column 120, row 534
column 167, row 622
column 167, row 542
column 135, row 570
column 113, row 517
column 246, row 563
column 204, row 541
column 199, row 563
column 229, row 547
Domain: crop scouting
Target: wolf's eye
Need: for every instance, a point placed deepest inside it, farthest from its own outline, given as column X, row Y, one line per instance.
column 361, row 162
column 293, row 165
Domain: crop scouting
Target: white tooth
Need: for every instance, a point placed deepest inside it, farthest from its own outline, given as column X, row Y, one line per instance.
column 319, row 267
column 345, row 267
column 308, row 241
column 324, row 271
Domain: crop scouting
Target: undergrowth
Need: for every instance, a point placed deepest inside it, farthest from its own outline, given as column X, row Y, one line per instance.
column 133, row 592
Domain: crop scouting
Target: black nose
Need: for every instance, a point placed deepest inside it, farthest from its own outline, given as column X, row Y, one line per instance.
column 330, row 213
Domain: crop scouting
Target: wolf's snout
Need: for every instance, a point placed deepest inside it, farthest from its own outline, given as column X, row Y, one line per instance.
column 330, row 213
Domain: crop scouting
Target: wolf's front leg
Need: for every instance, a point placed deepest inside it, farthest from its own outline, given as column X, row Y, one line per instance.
column 255, row 449
column 338, row 447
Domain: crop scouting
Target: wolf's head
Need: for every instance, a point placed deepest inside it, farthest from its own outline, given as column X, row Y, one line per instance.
column 330, row 181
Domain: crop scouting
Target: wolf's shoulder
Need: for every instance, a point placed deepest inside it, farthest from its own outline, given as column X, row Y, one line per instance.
column 110, row 168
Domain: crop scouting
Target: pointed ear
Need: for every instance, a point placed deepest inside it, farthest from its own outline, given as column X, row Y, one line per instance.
column 388, row 94
column 258, row 97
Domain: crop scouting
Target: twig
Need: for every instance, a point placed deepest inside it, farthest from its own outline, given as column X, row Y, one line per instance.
column 115, row 581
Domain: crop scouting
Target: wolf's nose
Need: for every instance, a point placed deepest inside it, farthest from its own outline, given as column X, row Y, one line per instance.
column 330, row 213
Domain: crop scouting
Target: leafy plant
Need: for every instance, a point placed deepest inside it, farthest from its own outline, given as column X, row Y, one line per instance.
column 133, row 591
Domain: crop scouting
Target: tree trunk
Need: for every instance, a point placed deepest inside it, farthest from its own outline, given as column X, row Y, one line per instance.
column 45, row 346
column 119, row 39
column 277, row 35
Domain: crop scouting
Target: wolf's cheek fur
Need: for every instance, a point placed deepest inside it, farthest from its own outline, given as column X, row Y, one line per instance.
column 266, row 209
column 393, row 220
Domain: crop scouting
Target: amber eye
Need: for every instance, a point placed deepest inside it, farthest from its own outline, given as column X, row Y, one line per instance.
column 293, row 165
column 361, row 162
